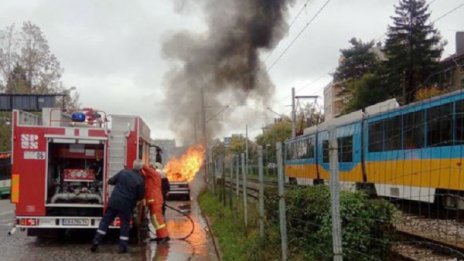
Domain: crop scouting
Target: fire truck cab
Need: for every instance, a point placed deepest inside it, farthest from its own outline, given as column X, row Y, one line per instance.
column 61, row 165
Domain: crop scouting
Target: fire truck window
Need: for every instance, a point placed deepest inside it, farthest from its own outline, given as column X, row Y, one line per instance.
column 140, row 151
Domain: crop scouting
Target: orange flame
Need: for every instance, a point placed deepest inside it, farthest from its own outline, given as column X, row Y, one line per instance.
column 187, row 166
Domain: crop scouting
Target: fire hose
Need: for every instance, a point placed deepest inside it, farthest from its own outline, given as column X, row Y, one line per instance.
column 184, row 214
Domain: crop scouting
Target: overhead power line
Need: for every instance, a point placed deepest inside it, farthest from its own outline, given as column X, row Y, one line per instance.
column 322, row 76
column 449, row 12
column 298, row 35
column 299, row 13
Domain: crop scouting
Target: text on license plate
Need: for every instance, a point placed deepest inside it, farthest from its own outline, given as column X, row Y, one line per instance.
column 75, row 222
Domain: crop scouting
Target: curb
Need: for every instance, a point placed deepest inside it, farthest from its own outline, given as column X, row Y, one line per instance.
column 213, row 238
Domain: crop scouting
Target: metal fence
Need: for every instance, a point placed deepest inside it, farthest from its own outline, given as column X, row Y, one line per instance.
column 389, row 184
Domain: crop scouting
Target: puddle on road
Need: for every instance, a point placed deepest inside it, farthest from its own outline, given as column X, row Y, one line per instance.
column 75, row 246
column 197, row 247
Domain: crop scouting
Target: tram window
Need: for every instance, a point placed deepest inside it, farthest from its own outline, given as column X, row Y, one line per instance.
column 413, row 130
column 295, row 151
column 459, row 124
column 303, row 150
column 376, row 130
column 310, row 148
column 345, row 149
column 392, row 139
column 325, row 151
column 286, row 151
column 439, row 125
column 291, row 151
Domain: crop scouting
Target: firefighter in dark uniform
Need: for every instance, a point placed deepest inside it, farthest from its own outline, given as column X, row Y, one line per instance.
column 129, row 187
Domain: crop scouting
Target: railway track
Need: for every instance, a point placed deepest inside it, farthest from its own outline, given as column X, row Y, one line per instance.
column 436, row 235
column 414, row 246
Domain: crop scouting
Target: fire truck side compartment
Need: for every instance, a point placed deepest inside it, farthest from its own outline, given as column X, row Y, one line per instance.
column 75, row 177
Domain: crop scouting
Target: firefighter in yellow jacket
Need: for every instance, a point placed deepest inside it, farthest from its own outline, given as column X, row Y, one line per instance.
column 154, row 202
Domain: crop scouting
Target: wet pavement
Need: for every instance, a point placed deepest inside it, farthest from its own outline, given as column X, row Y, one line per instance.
column 75, row 245
column 197, row 247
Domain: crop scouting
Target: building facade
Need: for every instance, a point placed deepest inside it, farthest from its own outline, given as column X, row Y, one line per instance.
column 334, row 102
column 452, row 68
column 335, row 95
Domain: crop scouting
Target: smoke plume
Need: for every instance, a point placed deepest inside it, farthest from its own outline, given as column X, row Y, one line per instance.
column 223, row 61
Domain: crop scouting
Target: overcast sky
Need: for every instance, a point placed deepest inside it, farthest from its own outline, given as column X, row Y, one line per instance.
column 111, row 49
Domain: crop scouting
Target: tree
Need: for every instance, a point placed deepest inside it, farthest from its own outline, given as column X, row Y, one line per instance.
column 367, row 90
column 413, row 49
column 308, row 116
column 27, row 66
column 237, row 144
column 277, row 132
column 427, row 92
column 8, row 54
column 27, row 52
column 356, row 61
column 5, row 131
column 17, row 81
column 42, row 68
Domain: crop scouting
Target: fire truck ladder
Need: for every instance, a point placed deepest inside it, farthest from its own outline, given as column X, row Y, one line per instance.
column 117, row 155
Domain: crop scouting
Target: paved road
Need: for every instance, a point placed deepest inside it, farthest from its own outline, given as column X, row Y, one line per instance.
column 75, row 246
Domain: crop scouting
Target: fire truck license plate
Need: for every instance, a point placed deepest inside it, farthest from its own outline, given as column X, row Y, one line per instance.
column 75, row 222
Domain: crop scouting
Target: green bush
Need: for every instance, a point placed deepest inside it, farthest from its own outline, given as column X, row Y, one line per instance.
column 367, row 224
column 235, row 240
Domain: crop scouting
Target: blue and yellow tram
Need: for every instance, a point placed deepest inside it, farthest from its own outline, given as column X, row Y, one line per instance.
column 412, row 152
column 5, row 174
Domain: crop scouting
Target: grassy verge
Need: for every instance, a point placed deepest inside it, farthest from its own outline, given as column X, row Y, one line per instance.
column 236, row 241
column 367, row 224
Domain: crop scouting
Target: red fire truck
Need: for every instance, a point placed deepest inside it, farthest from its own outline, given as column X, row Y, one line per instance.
column 61, row 165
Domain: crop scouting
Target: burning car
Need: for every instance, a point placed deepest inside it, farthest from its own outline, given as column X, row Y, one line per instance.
column 181, row 171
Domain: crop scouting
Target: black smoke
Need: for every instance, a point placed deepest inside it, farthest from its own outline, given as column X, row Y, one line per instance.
column 224, row 61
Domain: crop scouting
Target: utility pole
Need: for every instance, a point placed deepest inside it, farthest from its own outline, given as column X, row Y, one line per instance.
column 293, row 114
column 205, row 137
column 294, row 110
column 282, row 208
column 246, row 146
column 335, row 196
column 195, row 129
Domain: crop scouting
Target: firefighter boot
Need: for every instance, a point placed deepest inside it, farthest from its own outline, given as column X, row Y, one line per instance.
column 97, row 239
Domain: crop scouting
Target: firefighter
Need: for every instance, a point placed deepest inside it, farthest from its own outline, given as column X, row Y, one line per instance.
column 129, row 187
column 154, row 202
column 165, row 186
